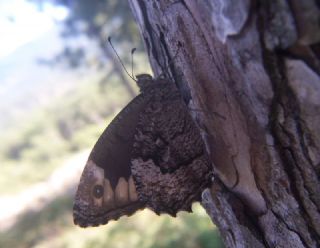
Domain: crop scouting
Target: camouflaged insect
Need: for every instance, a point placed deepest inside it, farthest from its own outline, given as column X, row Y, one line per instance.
column 151, row 155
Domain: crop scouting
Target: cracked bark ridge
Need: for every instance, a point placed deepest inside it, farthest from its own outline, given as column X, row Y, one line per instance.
column 232, row 226
column 169, row 161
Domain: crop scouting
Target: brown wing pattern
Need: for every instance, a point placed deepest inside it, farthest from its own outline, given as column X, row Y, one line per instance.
column 169, row 161
column 107, row 190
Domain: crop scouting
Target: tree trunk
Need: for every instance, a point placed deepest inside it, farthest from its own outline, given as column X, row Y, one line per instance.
column 249, row 71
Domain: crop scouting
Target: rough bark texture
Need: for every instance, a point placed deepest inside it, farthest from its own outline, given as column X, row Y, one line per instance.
column 249, row 71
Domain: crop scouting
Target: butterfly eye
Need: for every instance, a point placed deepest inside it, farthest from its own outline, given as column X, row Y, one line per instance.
column 98, row 191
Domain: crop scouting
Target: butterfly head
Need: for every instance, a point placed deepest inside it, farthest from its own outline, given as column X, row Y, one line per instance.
column 97, row 201
column 144, row 81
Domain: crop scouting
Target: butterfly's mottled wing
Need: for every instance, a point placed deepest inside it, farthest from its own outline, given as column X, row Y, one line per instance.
column 170, row 165
column 106, row 190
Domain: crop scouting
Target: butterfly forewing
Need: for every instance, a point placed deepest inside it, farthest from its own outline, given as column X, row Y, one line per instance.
column 106, row 190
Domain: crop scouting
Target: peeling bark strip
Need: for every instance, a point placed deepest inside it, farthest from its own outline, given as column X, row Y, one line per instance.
column 252, row 70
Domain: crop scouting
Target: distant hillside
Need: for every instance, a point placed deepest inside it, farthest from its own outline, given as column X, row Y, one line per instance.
column 26, row 85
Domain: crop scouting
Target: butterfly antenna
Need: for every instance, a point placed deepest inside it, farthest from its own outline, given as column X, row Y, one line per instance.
column 132, row 51
column 109, row 40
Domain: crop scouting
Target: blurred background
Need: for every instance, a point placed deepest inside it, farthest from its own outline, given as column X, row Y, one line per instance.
column 60, row 86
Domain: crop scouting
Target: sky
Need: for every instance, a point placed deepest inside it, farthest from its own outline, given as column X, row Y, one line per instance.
column 27, row 35
column 21, row 22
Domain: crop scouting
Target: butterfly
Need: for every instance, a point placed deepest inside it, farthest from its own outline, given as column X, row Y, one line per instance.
column 150, row 156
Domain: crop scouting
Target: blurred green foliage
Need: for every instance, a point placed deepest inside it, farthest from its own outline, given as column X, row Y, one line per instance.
column 52, row 227
column 35, row 146
column 97, row 19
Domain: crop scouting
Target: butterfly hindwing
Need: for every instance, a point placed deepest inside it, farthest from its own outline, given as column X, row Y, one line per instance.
column 169, row 161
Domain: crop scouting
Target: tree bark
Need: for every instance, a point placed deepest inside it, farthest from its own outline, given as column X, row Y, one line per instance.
column 249, row 71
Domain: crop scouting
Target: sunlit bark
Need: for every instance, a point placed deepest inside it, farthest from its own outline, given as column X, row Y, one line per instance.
column 249, row 71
